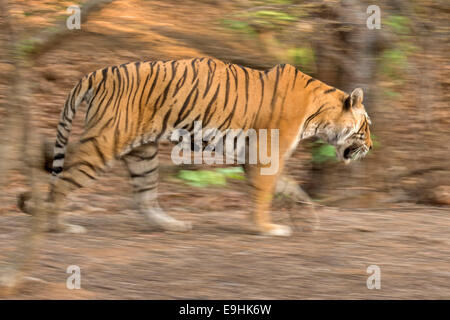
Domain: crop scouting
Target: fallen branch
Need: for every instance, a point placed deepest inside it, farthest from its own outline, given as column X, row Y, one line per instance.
column 49, row 38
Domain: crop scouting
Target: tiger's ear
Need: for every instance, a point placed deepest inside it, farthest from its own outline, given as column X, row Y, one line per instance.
column 354, row 99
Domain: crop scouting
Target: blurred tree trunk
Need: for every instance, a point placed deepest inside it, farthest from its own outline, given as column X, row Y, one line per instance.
column 19, row 142
column 346, row 59
column 17, row 137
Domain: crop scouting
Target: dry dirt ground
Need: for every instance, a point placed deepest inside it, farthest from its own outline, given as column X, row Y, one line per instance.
column 221, row 258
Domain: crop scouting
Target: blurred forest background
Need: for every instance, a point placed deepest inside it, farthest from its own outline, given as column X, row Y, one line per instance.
column 401, row 188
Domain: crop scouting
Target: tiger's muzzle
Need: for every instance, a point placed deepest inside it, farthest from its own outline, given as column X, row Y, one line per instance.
column 352, row 151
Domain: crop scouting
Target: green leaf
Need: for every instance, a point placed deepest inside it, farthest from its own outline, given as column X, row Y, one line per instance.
column 275, row 15
column 399, row 24
column 302, row 56
column 323, row 152
column 238, row 25
column 394, row 62
column 376, row 144
column 232, row 172
column 392, row 94
column 202, row 178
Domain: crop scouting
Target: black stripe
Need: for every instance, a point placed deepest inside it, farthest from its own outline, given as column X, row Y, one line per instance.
column 165, row 71
column 57, row 170
column 116, row 109
column 138, row 82
column 246, row 88
column 72, row 181
column 180, row 82
column 87, row 174
column 227, row 90
column 114, row 68
column 144, row 158
column 295, row 78
column 330, row 90
column 127, row 107
column 96, row 147
column 166, row 90
column 234, row 72
column 164, row 126
column 67, row 120
column 116, row 142
column 146, row 189
column 189, row 126
column 282, row 107
column 61, row 138
column 140, row 123
column 102, row 97
column 194, row 70
column 192, row 108
column 99, row 151
column 229, row 118
column 211, row 73
column 315, row 114
column 274, row 94
column 99, row 86
column 143, row 174
column 153, row 85
column 309, row 81
column 75, row 93
column 208, row 108
column 90, row 82
column 124, row 91
column 143, row 89
column 58, row 156
column 180, row 117
column 362, row 125
column 261, row 78
column 64, row 125
column 83, row 163
column 113, row 96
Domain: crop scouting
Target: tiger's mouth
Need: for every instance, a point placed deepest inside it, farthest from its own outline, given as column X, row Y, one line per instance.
column 349, row 151
column 353, row 151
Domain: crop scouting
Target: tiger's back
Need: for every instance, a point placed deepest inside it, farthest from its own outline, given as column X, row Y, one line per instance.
column 167, row 95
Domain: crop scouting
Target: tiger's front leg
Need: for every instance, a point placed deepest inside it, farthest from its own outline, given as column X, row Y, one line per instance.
column 142, row 164
column 263, row 188
column 288, row 187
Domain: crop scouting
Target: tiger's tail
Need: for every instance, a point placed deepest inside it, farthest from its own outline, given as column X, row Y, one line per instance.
column 74, row 99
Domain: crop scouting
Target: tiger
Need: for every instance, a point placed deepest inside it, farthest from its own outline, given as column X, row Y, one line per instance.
column 134, row 107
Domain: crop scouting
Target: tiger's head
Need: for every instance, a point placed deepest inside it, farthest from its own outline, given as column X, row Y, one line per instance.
column 347, row 126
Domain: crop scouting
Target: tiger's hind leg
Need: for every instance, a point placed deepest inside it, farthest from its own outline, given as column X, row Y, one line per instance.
column 87, row 160
column 142, row 164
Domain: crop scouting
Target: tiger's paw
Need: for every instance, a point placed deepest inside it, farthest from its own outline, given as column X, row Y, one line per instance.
column 176, row 225
column 68, row 228
column 276, row 230
column 73, row 228
column 159, row 219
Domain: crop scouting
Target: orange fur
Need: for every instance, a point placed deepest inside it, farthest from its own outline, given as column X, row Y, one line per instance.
column 141, row 103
